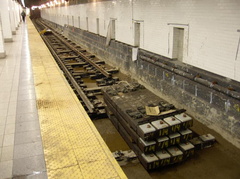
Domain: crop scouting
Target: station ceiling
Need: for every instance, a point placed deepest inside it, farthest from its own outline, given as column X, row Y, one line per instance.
column 30, row 3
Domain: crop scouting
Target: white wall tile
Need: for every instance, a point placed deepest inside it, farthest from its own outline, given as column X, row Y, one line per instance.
column 212, row 27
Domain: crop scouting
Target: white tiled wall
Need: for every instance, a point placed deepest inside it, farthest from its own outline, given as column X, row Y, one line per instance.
column 210, row 27
column 5, row 17
column 12, row 15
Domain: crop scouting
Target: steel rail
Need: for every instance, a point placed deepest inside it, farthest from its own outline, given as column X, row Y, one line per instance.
column 99, row 68
column 85, row 99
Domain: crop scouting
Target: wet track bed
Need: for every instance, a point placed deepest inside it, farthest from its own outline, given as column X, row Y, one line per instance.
column 88, row 75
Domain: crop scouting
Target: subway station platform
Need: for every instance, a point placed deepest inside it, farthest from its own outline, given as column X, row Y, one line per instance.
column 44, row 130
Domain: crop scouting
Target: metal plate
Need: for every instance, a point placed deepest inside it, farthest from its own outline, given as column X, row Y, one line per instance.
column 163, row 154
column 150, row 158
column 207, row 137
column 172, row 121
column 174, row 151
column 186, row 146
column 175, row 135
column 147, row 128
column 159, row 124
column 162, row 139
column 147, row 143
column 183, row 117
column 185, row 132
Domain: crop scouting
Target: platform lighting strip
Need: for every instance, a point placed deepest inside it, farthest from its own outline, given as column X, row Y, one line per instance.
column 50, row 4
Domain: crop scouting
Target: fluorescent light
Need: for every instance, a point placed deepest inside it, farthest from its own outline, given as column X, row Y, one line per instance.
column 23, row 3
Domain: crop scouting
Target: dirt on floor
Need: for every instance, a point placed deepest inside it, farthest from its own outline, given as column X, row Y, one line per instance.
column 222, row 161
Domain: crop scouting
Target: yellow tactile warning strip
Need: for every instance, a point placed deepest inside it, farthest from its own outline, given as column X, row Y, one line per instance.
column 73, row 148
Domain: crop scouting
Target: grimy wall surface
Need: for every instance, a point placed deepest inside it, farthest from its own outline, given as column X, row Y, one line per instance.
column 175, row 40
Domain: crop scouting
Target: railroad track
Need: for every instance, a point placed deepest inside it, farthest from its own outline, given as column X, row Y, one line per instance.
column 154, row 129
column 79, row 67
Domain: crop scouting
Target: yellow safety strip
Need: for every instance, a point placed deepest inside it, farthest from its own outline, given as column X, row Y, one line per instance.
column 73, row 148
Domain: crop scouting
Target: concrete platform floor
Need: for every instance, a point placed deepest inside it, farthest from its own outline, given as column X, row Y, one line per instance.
column 222, row 161
column 44, row 130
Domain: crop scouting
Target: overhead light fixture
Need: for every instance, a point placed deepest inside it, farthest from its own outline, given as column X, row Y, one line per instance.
column 23, row 3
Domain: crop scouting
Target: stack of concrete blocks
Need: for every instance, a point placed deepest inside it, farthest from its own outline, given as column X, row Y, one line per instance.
column 158, row 140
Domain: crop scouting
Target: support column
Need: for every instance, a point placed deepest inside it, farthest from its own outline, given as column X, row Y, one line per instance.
column 12, row 18
column 2, row 48
column 16, row 14
column 19, row 10
column 6, row 25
